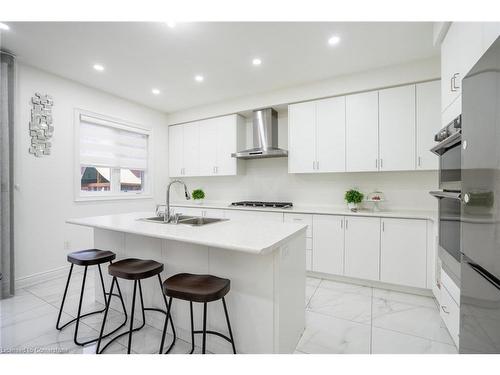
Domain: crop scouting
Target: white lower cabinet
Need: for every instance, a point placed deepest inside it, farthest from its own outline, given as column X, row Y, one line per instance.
column 403, row 252
column 362, row 247
column 328, row 244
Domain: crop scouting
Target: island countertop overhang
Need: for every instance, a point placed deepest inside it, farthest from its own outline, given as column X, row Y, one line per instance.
column 248, row 236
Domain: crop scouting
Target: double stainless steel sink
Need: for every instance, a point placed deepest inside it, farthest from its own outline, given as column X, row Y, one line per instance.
column 186, row 220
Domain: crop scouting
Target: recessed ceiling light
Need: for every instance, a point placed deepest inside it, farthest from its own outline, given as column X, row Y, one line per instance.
column 98, row 67
column 4, row 26
column 155, row 91
column 170, row 24
column 256, row 61
column 335, row 39
column 198, row 78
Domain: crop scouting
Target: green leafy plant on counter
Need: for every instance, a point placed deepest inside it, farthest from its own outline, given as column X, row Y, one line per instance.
column 198, row 194
column 353, row 196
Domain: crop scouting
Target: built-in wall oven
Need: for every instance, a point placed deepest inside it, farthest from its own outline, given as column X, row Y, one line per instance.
column 449, row 197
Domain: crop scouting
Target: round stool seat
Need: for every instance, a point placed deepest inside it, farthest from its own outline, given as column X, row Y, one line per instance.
column 196, row 288
column 90, row 257
column 135, row 269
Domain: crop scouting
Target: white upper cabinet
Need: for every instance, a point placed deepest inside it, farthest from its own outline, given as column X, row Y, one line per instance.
column 316, row 136
column 362, row 132
column 203, row 148
column 330, row 135
column 175, row 151
column 191, row 149
column 428, row 123
column 328, row 244
column 362, row 247
column 403, row 252
column 462, row 46
column 208, row 147
column 397, row 128
column 302, row 137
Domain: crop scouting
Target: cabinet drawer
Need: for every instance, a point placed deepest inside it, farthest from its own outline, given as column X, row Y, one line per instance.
column 309, row 256
column 451, row 287
column 450, row 313
column 309, row 243
column 301, row 219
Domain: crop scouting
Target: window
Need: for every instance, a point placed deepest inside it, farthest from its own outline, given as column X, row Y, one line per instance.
column 113, row 158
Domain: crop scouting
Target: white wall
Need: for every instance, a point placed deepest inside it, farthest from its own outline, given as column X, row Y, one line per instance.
column 268, row 179
column 44, row 198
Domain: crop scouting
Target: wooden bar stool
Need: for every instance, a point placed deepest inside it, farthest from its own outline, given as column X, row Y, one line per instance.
column 88, row 258
column 201, row 289
column 137, row 270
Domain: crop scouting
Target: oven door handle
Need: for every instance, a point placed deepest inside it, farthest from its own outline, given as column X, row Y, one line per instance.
column 446, row 194
column 492, row 279
column 448, row 143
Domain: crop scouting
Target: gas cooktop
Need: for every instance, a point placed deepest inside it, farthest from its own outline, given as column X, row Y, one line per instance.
column 263, row 204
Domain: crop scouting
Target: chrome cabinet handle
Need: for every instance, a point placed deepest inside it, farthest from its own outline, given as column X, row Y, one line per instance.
column 383, row 226
column 376, row 163
column 419, row 161
column 453, row 78
column 444, row 309
column 317, row 165
column 381, row 163
column 341, row 223
column 466, row 198
column 346, row 224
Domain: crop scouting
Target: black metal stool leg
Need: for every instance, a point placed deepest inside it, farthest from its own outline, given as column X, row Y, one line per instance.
column 192, row 327
column 108, row 302
column 64, row 299
column 132, row 319
column 167, row 318
column 228, row 324
column 204, row 328
column 102, row 284
column 78, row 315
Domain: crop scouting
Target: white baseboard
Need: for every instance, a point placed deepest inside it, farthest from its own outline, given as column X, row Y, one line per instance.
column 375, row 284
column 40, row 277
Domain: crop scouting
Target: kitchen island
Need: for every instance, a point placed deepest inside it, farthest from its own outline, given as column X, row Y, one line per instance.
column 264, row 261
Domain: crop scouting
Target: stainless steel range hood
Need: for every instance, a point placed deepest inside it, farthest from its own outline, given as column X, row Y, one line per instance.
column 265, row 137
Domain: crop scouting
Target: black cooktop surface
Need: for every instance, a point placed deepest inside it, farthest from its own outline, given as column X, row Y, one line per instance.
column 263, row 204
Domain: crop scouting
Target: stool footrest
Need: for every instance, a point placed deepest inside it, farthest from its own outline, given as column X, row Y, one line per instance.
column 214, row 333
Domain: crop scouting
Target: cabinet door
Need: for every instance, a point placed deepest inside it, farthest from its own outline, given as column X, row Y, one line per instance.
column 302, row 138
column 491, row 31
column 450, row 66
column 226, row 145
column 191, row 149
column 208, row 147
column 330, row 135
column 403, row 252
column 362, row 247
column 397, row 128
column 328, row 244
column 300, row 219
column 175, row 150
column 362, row 132
column 428, row 123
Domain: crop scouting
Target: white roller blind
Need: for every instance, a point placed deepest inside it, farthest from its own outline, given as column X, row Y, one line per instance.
column 108, row 144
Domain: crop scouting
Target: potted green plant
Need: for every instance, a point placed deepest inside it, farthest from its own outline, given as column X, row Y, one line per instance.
column 198, row 196
column 353, row 198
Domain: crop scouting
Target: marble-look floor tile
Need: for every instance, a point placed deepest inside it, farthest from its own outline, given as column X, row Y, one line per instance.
column 329, row 335
column 350, row 306
column 23, row 301
column 346, row 287
column 411, row 299
column 419, row 321
column 310, row 290
column 312, row 281
column 391, row 342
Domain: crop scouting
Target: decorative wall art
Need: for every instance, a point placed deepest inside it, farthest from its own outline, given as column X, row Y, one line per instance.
column 41, row 127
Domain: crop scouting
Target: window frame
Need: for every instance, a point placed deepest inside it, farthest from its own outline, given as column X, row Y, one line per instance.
column 114, row 193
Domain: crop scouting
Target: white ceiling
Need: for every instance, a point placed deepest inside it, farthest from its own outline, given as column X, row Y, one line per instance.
column 138, row 56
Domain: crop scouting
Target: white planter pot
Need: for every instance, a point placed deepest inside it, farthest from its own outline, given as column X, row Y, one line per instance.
column 198, row 201
column 353, row 206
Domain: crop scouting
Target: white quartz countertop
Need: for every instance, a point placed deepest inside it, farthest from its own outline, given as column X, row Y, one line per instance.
column 320, row 210
column 249, row 236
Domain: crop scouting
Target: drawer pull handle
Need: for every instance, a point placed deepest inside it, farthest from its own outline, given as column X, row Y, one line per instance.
column 444, row 310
